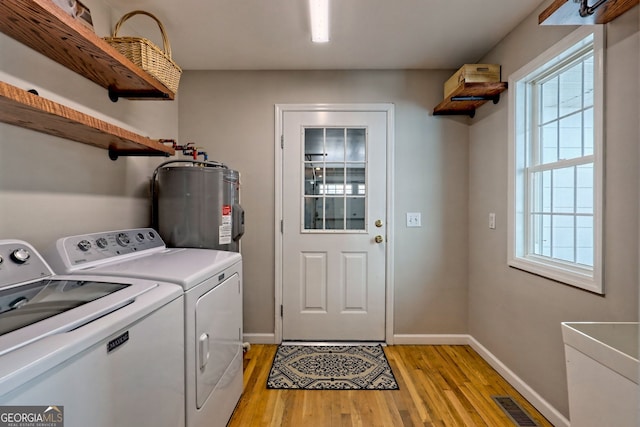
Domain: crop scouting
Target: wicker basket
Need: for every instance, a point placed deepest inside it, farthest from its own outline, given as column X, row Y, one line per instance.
column 147, row 55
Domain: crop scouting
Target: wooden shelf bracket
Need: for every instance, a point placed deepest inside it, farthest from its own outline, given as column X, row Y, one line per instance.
column 493, row 98
column 115, row 94
column 114, row 153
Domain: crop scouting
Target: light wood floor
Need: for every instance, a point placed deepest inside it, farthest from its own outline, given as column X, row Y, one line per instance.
column 439, row 386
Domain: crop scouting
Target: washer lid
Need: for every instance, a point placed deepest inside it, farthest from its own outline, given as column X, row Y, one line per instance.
column 69, row 303
column 24, row 305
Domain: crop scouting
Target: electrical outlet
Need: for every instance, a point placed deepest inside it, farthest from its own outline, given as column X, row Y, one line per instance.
column 492, row 220
column 414, row 219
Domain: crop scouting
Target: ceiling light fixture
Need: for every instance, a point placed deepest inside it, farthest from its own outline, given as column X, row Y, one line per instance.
column 319, row 10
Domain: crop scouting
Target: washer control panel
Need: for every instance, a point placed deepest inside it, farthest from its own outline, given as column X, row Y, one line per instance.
column 20, row 262
column 88, row 249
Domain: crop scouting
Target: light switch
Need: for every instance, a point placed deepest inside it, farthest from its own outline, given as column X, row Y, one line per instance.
column 414, row 219
column 492, row 220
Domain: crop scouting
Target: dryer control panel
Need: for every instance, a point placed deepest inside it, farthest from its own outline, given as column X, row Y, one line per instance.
column 85, row 250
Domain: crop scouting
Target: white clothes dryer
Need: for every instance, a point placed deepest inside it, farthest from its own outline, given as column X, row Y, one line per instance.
column 212, row 285
column 87, row 350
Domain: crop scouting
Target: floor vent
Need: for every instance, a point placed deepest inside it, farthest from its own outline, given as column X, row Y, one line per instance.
column 514, row 411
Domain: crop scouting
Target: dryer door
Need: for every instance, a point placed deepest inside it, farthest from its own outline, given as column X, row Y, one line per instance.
column 218, row 335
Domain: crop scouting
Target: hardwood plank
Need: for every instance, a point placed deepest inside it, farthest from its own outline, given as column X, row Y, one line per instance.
column 439, row 386
column 412, row 393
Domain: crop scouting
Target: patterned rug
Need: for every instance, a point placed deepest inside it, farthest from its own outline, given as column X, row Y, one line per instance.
column 341, row 367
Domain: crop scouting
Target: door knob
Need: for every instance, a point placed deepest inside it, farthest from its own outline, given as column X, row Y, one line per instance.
column 378, row 223
column 378, row 239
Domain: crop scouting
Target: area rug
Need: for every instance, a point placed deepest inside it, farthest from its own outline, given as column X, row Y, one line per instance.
column 334, row 367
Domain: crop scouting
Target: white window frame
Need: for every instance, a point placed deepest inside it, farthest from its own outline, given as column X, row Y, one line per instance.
column 518, row 256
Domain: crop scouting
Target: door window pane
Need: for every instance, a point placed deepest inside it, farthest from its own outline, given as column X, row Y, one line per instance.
column 334, row 189
column 313, row 213
column 312, row 179
column 334, row 145
column 334, row 213
column 356, row 179
column 334, row 174
column 355, row 213
column 313, row 143
column 356, row 145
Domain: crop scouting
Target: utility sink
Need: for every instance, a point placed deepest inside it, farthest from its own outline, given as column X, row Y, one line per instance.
column 603, row 373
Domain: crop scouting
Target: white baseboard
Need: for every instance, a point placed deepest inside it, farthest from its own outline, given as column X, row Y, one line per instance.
column 544, row 407
column 431, row 339
column 260, row 338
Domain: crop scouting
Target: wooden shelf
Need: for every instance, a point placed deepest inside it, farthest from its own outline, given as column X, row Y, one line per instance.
column 567, row 12
column 469, row 96
column 46, row 28
column 24, row 109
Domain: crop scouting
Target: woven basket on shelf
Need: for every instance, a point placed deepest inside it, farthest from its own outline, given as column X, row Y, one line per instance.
column 146, row 54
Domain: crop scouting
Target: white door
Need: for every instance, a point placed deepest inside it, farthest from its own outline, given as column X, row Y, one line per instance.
column 334, row 225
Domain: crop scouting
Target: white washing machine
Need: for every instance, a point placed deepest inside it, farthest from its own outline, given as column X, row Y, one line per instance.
column 212, row 284
column 87, row 350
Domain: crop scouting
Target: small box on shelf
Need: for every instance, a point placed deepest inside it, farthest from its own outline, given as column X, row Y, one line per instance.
column 472, row 73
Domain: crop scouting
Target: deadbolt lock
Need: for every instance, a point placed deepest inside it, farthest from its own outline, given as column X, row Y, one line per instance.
column 379, row 239
column 378, row 223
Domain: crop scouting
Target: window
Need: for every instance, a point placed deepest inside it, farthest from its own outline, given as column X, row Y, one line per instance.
column 334, row 163
column 555, row 162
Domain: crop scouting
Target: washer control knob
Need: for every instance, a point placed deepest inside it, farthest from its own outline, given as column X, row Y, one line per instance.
column 84, row 245
column 123, row 239
column 1, row 260
column 139, row 237
column 102, row 242
column 20, row 255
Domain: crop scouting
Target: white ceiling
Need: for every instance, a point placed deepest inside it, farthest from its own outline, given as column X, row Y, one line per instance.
column 365, row 34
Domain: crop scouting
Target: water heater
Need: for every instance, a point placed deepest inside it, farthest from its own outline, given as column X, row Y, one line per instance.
column 196, row 205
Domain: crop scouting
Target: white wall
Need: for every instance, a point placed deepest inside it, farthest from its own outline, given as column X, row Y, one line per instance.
column 231, row 114
column 51, row 187
column 516, row 315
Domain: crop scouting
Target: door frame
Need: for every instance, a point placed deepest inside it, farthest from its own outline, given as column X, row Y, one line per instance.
column 280, row 109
